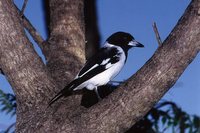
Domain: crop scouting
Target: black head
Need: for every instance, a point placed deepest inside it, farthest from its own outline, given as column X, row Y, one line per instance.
column 124, row 40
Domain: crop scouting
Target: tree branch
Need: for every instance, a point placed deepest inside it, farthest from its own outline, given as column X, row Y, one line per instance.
column 157, row 34
column 34, row 33
column 23, row 8
column 22, row 66
column 67, row 40
column 91, row 28
column 135, row 98
column 34, row 86
column 66, row 55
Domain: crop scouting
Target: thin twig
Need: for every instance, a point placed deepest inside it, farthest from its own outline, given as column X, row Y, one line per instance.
column 10, row 127
column 157, row 34
column 23, row 7
column 31, row 29
column 33, row 32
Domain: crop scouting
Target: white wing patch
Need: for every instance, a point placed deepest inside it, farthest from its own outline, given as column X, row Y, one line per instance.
column 105, row 61
column 96, row 65
column 104, row 77
column 108, row 65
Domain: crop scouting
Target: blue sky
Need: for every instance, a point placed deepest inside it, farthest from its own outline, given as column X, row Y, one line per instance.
column 135, row 17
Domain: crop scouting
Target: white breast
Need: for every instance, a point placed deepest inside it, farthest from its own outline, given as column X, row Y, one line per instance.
column 112, row 71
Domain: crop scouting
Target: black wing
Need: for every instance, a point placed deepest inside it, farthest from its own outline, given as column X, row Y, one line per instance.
column 93, row 66
column 98, row 62
column 64, row 92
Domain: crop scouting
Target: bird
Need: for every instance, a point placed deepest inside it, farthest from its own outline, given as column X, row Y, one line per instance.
column 102, row 67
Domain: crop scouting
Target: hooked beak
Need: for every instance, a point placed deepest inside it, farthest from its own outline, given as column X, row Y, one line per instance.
column 135, row 43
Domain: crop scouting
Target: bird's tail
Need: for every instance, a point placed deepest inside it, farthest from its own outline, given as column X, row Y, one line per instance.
column 64, row 92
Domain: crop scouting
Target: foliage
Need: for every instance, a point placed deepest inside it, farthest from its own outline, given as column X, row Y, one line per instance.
column 8, row 106
column 7, row 103
column 167, row 116
column 164, row 116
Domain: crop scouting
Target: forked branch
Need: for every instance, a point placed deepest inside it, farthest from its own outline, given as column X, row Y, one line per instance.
column 136, row 97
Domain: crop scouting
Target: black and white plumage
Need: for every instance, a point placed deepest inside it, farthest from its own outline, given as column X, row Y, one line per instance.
column 103, row 66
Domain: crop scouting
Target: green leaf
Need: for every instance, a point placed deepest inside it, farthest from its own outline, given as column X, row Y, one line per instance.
column 196, row 122
column 164, row 119
column 7, row 103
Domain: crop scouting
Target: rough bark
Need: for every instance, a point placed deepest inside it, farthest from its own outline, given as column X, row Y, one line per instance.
column 34, row 83
column 24, row 69
column 133, row 99
column 65, row 55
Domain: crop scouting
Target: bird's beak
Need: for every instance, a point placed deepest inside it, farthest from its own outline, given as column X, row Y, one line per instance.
column 135, row 43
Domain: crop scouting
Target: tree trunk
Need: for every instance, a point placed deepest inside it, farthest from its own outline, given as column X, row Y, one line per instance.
column 35, row 83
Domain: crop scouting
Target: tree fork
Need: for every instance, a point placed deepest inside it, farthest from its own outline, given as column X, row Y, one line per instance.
column 33, row 85
column 136, row 97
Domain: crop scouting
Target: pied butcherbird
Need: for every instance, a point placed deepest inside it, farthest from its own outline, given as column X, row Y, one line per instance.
column 103, row 66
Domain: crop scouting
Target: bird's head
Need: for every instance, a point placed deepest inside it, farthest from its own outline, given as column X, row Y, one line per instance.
column 124, row 40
